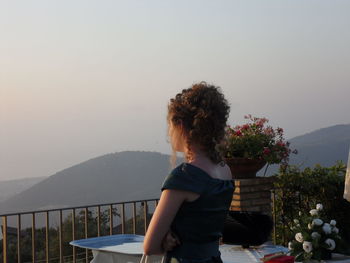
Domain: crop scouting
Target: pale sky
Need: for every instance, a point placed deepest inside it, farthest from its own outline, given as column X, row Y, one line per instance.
column 79, row 79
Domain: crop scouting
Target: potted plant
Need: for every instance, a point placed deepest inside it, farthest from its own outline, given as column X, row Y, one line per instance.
column 247, row 148
column 314, row 238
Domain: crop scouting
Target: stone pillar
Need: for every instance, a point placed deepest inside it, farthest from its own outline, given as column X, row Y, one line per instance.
column 253, row 195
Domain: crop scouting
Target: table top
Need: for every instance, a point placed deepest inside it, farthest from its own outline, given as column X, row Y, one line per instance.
column 133, row 245
column 124, row 244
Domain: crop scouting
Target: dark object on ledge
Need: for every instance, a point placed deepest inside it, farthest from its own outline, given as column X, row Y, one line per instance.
column 246, row 228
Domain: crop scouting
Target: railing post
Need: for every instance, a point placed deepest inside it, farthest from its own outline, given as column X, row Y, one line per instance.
column 33, row 238
column 145, row 210
column 123, row 217
column 86, row 232
column 134, row 217
column 73, row 235
column 47, row 237
column 98, row 221
column 111, row 219
column 4, row 238
column 60, row 236
column 19, row 238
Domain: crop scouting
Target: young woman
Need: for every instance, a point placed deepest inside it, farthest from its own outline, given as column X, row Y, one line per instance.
column 196, row 195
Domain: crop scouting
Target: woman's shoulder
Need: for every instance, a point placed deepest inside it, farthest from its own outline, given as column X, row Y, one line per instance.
column 220, row 172
column 186, row 177
column 226, row 171
column 189, row 171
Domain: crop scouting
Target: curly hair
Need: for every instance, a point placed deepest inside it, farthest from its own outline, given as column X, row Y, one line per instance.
column 202, row 110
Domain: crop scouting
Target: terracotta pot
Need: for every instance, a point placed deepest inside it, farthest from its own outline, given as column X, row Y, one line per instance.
column 242, row 168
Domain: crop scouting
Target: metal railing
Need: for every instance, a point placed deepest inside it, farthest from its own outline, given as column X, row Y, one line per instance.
column 83, row 224
column 102, row 223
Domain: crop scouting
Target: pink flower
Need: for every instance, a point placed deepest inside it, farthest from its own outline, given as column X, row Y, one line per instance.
column 281, row 144
column 238, row 133
column 245, row 127
column 261, row 121
column 266, row 150
column 269, row 131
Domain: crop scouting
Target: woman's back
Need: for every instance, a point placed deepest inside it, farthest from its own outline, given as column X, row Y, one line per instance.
column 198, row 224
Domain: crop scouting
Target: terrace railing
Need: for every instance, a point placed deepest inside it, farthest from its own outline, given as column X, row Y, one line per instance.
column 44, row 235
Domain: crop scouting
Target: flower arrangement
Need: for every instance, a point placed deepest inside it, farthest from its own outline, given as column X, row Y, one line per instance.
column 314, row 238
column 256, row 140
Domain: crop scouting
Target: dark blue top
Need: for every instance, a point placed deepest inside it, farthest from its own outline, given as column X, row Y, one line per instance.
column 202, row 220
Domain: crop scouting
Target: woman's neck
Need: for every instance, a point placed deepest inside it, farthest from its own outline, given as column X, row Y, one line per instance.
column 196, row 155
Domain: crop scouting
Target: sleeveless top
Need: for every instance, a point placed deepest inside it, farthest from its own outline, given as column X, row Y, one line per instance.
column 199, row 223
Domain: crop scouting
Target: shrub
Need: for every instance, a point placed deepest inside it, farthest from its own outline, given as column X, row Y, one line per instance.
column 300, row 190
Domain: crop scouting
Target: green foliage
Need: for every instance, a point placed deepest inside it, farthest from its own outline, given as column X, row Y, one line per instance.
column 139, row 221
column 300, row 190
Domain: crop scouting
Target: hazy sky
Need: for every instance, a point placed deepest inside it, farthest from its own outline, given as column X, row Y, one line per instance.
column 79, row 79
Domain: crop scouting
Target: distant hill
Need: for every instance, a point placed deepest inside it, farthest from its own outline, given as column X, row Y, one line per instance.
column 112, row 177
column 324, row 146
column 10, row 188
column 127, row 176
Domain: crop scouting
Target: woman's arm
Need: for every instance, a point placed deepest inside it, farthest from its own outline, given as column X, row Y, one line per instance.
column 169, row 203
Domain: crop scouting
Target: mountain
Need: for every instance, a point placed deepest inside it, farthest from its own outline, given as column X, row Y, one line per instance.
column 324, row 146
column 114, row 177
column 128, row 176
column 10, row 188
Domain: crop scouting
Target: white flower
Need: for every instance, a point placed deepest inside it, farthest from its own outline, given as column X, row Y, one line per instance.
column 315, row 235
column 290, row 245
column 335, row 230
column 313, row 212
column 317, row 222
column 299, row 213
column 309, row 226
column 327, row 228
column 296, row 221
column 307, row 246
column 333, row 222
column 299, row 237
column 319, row 207
column 330, row 243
